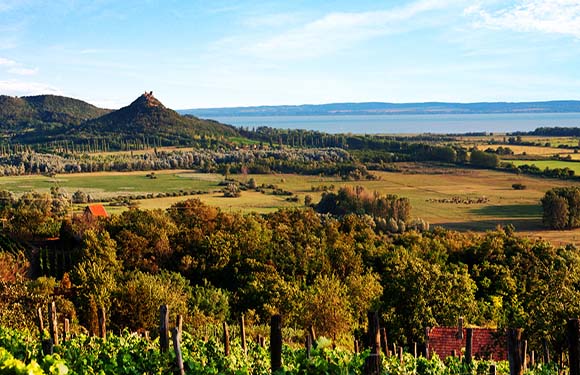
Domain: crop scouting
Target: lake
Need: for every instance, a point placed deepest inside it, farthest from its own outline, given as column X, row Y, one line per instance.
column 411, row 124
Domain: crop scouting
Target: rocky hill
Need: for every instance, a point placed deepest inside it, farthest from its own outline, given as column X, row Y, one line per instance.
column 148, row 117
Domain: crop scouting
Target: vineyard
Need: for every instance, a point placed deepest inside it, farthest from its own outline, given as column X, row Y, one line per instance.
column 21, row 353
column 229, row 351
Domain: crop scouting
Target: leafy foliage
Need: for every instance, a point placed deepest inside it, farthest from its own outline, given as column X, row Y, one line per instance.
column 129, row 354
column 561, row 208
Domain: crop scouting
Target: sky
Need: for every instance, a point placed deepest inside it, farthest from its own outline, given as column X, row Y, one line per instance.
column 221, row 53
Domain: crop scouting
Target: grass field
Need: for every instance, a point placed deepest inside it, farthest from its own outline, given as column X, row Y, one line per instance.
column 575, row 166
column 106, row 184
column 530, row 150
column 426, row 191
column 249, row 201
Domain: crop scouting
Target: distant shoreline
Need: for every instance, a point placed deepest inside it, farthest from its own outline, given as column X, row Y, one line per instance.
column 409, row 123
column 379, row 108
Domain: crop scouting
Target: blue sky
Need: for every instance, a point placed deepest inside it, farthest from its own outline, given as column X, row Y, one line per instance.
column 221, row 53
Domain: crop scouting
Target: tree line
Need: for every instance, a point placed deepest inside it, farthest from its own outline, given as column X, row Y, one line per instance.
column 312, row 268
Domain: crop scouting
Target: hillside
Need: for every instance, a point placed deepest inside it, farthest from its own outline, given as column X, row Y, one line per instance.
column 147, row 117
column 379, row 108
column 29, row 112
column 49, row 120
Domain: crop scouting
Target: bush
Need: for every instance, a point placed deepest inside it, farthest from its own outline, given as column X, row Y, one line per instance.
column 518, row 186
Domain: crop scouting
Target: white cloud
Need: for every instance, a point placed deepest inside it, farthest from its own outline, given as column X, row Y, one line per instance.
column 18, row 88
column 23, row 71
column 547, row 16
column 14, row 67
column 272, row 20
column 7, row 62
column 336, row 31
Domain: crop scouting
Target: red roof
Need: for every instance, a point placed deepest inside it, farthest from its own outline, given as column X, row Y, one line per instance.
column 486, row 342
column 97, row 210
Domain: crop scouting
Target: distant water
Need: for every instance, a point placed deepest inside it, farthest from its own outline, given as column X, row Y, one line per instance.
column 411, row 124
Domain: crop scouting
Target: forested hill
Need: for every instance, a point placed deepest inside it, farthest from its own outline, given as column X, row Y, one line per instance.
column 32, row 111
column 379, row 108
column 148, row 117
column 54, row 120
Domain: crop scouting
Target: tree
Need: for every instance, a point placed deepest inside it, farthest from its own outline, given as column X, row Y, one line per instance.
column 561, row 208
column 95, row 286
column 137, row 299
column 484, row 159
column 80, row 196
column 326, row 306
column 419, row 293
column 98, row 247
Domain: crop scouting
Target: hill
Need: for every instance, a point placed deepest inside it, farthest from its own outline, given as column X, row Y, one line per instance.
column 380, row 108
column 52, row 121
column 29, row 112
column 148, row 118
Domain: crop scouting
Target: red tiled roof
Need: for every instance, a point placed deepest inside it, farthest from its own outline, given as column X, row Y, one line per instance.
column 486, row 342
column 97, row 210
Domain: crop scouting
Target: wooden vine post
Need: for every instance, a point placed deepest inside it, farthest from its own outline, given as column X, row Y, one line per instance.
column 40, row 322
column 525, row 354
column 573, row 332
column 308, row 344
column 226, row 339
column 384, row 342
column 66, row 333
column 46, row 343
column 102, row 322
column 53, row 323
column 243, row 335
column 546, row 351
column 373, row 361
column 515, row 351
column 179, row 324
column 176, row 335
column 469, row 346
column 312, row 335
column 276, row 342
column 164, row 328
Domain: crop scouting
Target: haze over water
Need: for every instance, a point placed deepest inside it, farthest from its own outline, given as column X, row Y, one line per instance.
column 404, row 124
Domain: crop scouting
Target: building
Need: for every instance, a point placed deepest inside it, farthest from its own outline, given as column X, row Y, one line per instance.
column 95, row 210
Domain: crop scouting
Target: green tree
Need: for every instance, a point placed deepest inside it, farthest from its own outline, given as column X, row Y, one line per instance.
column 483, row 159
column 139, row 296
column 561, row 208
column 418, row 293
column 326, row 306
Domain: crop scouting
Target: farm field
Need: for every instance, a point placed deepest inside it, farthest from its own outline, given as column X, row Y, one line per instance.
column 106, row 184
column 249, row 201
column 575, row 166
column 502, row 205
column 530, row 150
column 461, row 199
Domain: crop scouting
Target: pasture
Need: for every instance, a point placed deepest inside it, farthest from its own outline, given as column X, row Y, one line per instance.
column 108, row 184
column 462, row 199
column 529, row 150
column 542, row 164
